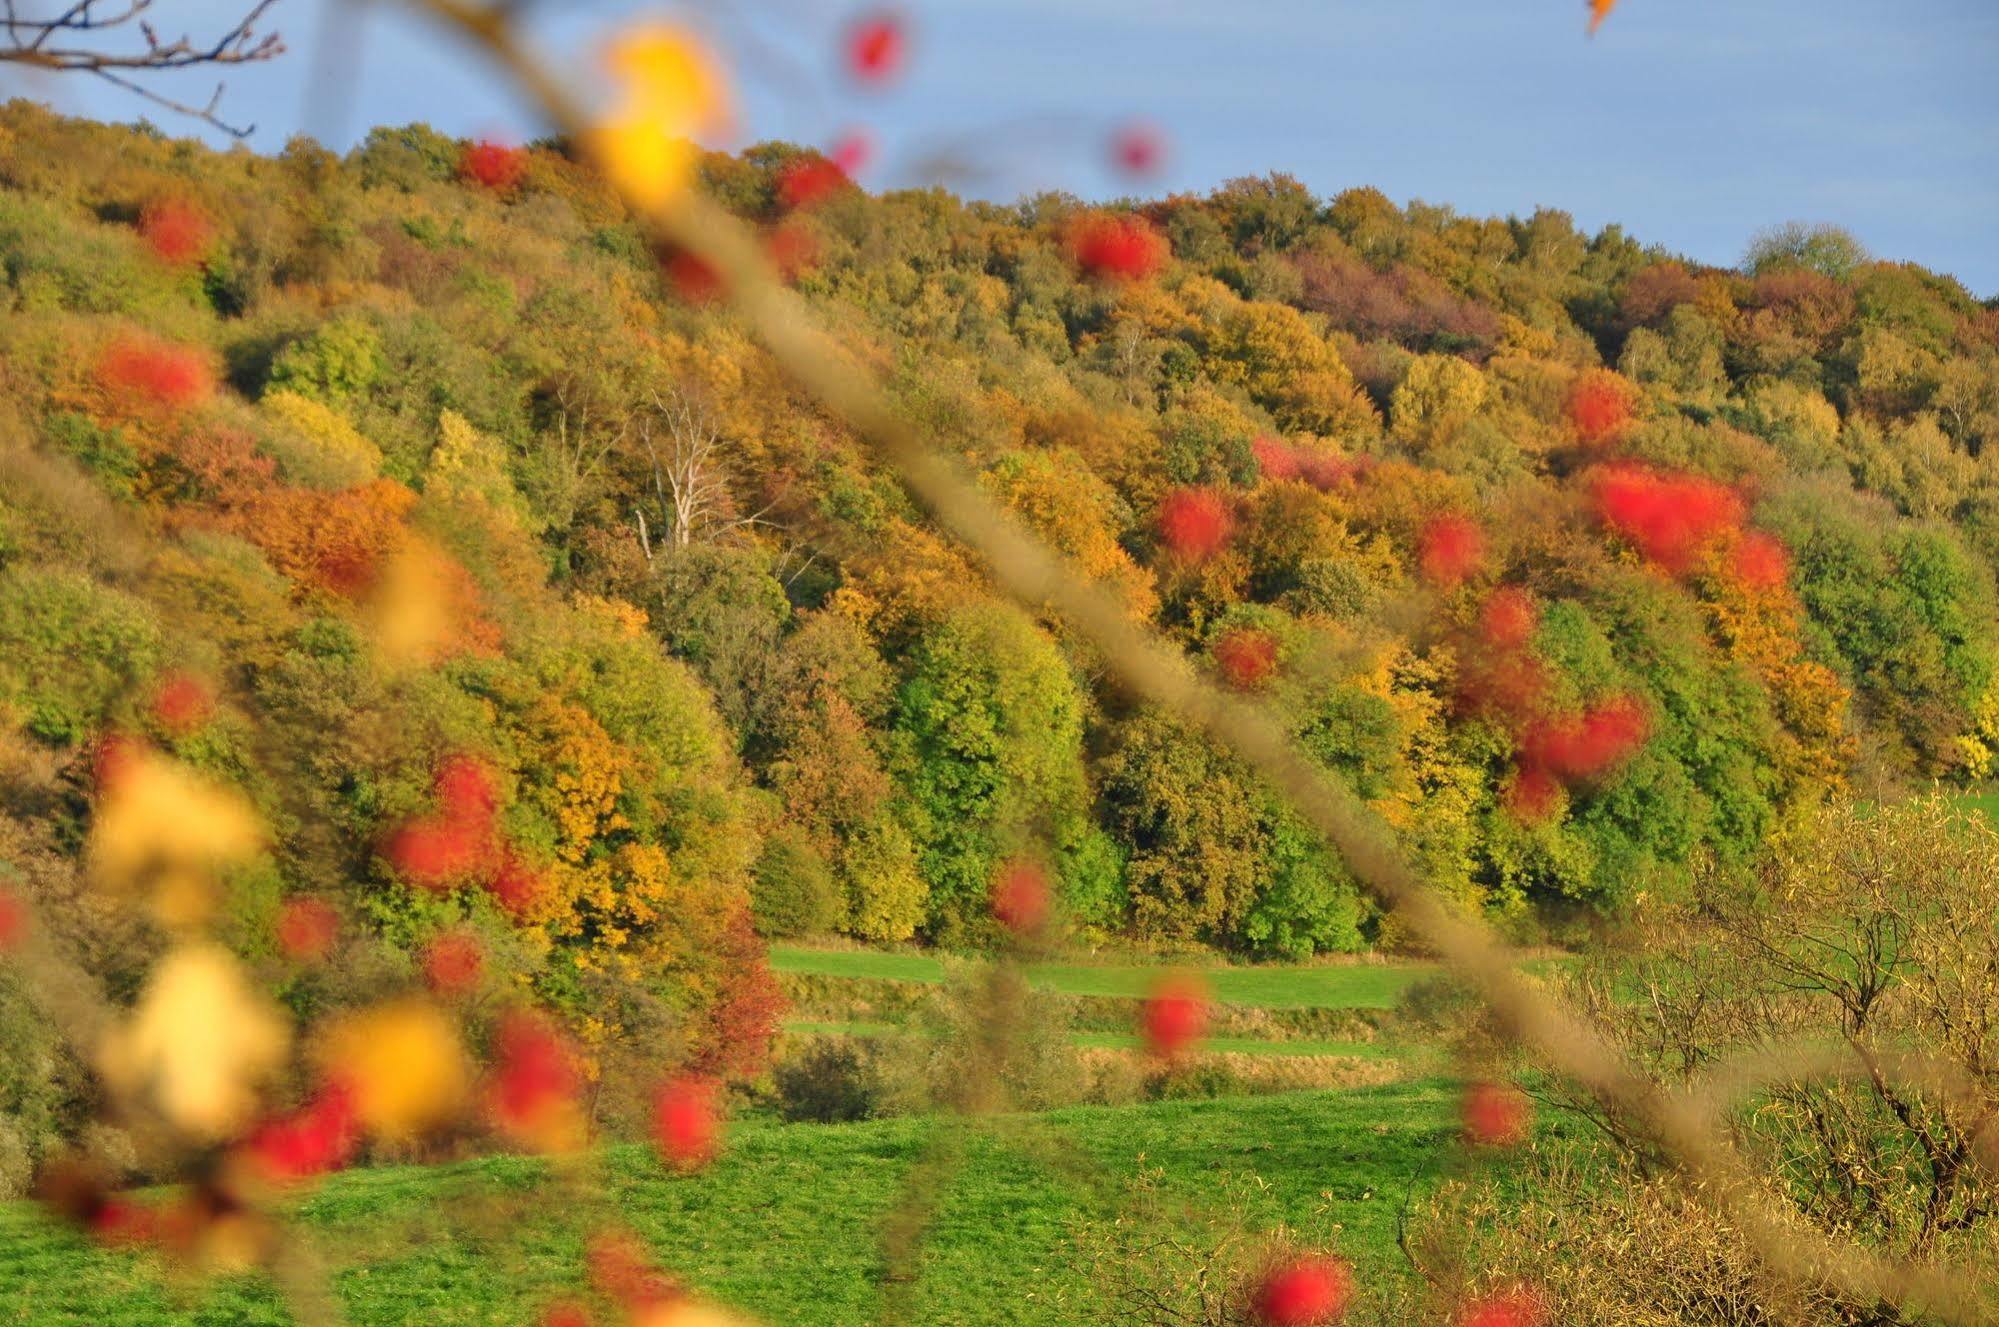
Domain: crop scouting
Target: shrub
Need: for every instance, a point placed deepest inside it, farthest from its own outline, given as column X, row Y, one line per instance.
column 69, row 648
column 831, row 1081
column 314, row 445
column 791, row 890
column 339, row 360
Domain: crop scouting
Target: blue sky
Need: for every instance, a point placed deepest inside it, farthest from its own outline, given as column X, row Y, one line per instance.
column 1691, row 122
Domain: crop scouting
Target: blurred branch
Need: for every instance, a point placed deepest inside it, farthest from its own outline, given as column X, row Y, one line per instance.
column 80, row 39
column 1152, row 669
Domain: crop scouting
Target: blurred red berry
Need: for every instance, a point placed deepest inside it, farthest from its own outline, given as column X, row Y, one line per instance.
column 120, row 1223
column 492, row 165
column 514, row 885
column 1586, row 745
column 793, row 250
column 1761, row 562
column 853, row 152
column 1669, row 517
column 809, row 181
column 113, row 757
column 1496, row 1114
column 435, row 853
column 320, row 1137
column 1304, row 1293
column 692, row 277
column 181, row 703
column 1195, row 523
column 177, row 231
column 1175, row 1015
column 155, row 375
column 1509, row 619
column 1021, row 898
column 1117, row 248
column 877, row 45
column 685, row 1121
column 453, row 962
column 1450, row 549
column 306, row 929
column 565, row 1313
column 1600, row 407
column 13, row 919
column 620, row 1272
column 1533, row 794
column 1517, row 1308
column 1138, row 148
column 467, row 797
column 1246, row 657
column 534, row 1077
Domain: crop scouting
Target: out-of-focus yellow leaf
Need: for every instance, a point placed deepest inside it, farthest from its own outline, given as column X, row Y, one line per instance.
column 669, row 90
column 198, row 1044
column 403, row 1063
column 163, row 833
column 686, row 1313
column 410, row 610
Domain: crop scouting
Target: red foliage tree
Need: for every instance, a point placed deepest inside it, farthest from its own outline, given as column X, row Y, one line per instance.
column 466, row 793
column 515, row 885
column 793, row 250
column 13, row 920
column 1275, row 458
column 1508, row 619
column 1195, row 523
column 1246, row 657
column 434, row 853
column 1533, row 794
column 743, row 1017
column 1654, row 292
column 1586, row 745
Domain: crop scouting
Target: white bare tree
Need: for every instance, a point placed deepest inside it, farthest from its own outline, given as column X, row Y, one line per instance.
column 684, row 442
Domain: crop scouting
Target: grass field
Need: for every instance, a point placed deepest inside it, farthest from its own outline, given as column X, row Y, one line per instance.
column 1985, row 800
column 1329, row 986
column 786, row 1224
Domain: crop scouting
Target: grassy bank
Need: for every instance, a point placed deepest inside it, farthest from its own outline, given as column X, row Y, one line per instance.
column 1328, row 986
column 786, row 1224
